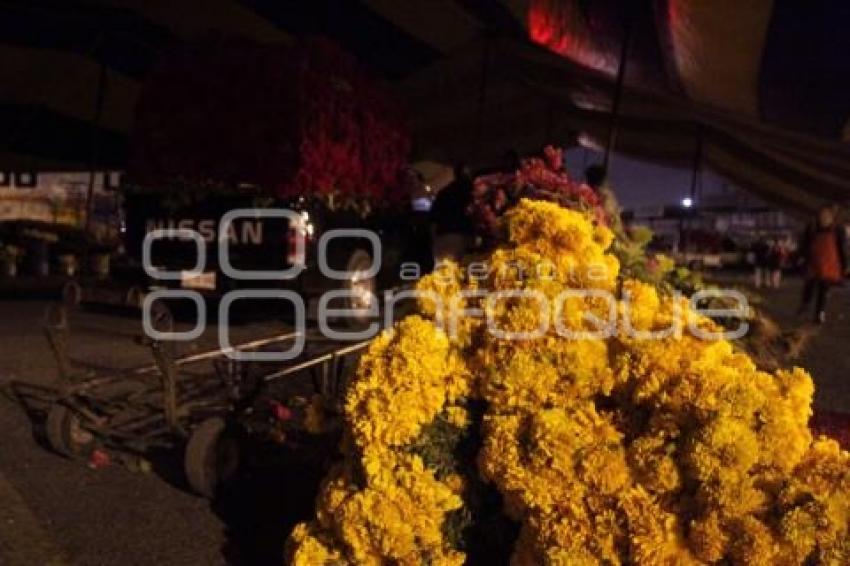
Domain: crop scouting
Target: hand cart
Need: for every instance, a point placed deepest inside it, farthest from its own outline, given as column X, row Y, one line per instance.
column 175, row 401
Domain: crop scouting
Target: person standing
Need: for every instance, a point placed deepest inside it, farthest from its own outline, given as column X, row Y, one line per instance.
column 760, row 251
column 451, row 227
column 822, row 251
column 778, row 261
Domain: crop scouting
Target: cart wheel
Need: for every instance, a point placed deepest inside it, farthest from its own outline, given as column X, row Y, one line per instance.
column 66, row 434
column 212, row 456
column 72, row 293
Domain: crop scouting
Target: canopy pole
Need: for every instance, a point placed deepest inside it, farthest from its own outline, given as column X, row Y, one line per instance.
column 695, row 169
column 614, row 124
column 697, row 164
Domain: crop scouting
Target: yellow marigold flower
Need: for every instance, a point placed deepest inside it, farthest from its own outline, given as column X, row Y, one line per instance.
column 783, row 437
column 732, row 495
column 835, row 552
column 662, row 450
column 604, row 468
column 415, row 363
column 655, row 536
column 440, row 291
column 799, row 528
column 457, row 416
column 724, row 448
column 308, row 550
column 399, row 515
column 797, row 386
column 448, row 558
column 567, row 239
column 651, row 457
column 335, row 489
column 707, row 538
column 754, row 543
column 643, row 304
column 555, row 539
column 525, row 381
column 455, row 482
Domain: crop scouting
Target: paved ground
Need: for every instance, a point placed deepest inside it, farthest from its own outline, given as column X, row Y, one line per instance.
column 827, row 356
column 53, row 510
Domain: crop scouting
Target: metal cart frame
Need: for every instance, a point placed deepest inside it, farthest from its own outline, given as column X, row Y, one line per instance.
column 165, row 405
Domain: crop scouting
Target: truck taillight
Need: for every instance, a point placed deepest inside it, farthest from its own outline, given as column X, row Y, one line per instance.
column 295, row 253
column 300, row 232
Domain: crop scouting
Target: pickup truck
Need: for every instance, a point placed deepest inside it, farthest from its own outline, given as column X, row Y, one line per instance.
column 274, row 244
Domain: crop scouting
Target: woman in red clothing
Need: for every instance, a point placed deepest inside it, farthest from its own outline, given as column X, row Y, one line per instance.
column 822, row 249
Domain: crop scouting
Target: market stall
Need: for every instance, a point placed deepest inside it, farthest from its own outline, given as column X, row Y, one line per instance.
column 561, row 395
column 568, row 404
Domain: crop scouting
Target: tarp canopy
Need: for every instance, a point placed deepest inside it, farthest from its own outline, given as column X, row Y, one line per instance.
column 759, row 88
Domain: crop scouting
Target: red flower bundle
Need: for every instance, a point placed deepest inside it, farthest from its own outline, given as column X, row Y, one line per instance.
column 295, row 120
column 539, row 178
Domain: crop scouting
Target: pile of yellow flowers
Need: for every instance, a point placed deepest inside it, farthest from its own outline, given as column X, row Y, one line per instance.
column 622, row 449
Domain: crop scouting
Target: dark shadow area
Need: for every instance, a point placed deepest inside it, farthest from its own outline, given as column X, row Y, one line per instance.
column 269, row 496
column 31, row 288
column 35, row 401
column 278, row 478
column 833, row 424
column 274, row 488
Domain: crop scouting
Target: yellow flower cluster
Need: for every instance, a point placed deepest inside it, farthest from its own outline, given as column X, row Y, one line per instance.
column 655, row 448
column 383, row 503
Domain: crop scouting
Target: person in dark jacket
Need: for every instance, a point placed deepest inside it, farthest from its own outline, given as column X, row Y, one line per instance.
column 451, row 227
column 822, row 252
column 595, row 177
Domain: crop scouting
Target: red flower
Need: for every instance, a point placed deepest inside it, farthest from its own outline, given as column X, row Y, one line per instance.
column 281, row 412
column 99, row 459
column 297, row 120
column 537, row 178
column 554, row 157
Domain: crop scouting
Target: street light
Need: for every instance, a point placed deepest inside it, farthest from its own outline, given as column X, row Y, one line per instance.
column 687, row 202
